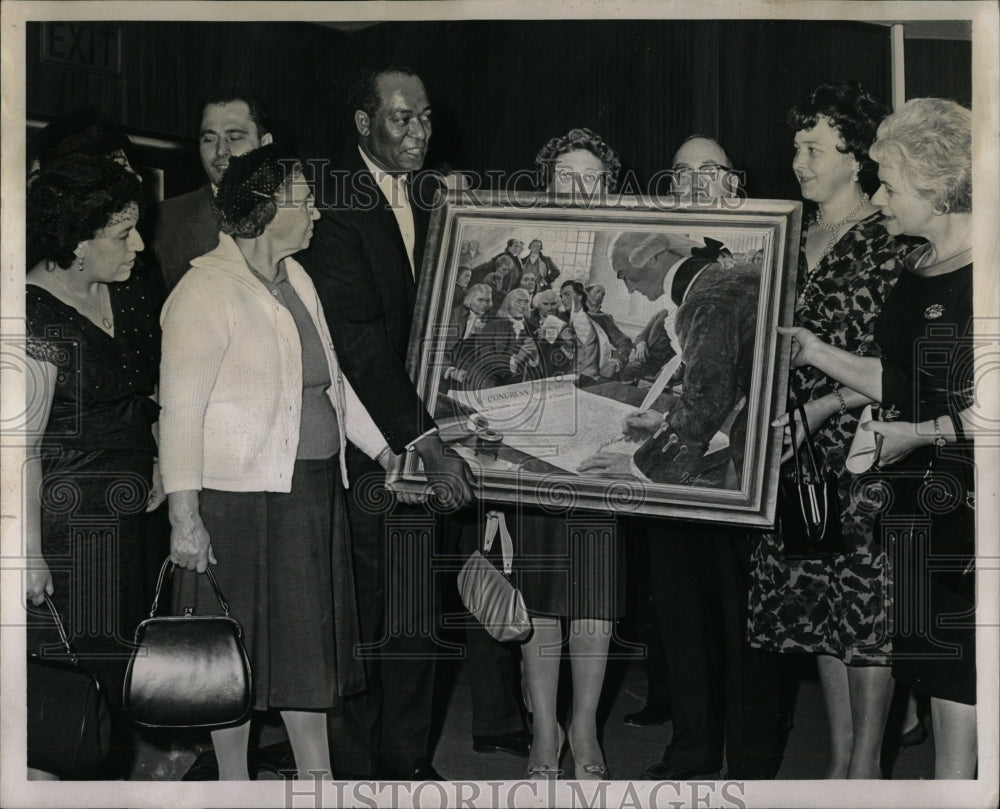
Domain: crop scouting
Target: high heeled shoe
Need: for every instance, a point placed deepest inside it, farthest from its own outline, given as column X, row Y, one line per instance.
column 589, row 770
column 546, row 771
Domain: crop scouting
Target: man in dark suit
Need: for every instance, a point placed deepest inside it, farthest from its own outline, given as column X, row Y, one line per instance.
column 465, row 324
column 231, row 124
column 513, row 251
column 365, row 260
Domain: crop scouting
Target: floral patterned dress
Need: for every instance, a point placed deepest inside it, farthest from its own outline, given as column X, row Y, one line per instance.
column 836, row 605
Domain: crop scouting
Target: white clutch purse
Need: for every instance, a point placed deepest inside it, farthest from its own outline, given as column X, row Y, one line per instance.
column 866, row 446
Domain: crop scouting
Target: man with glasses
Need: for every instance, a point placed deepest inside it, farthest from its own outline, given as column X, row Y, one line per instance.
column 702, row 172
column 726, row 699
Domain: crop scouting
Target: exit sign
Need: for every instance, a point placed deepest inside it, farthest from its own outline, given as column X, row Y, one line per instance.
column 92, row 46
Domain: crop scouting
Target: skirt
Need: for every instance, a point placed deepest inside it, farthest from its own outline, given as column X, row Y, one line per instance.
column 275, row 568
column 567, row 565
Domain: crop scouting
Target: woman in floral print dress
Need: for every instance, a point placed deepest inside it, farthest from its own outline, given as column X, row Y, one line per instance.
column 835, row 607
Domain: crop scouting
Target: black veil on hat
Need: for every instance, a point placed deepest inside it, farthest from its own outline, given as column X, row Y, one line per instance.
column 244, row 202
column 84, row 130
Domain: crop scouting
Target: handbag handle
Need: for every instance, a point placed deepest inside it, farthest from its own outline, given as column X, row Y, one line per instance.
column 168, row 563
column 816, row 511
column 497, row 522
column 813, row 467
column 62, row 630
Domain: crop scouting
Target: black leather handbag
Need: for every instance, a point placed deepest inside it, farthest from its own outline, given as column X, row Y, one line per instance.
column 808, row 503
column 69, row 720
column 188, row 670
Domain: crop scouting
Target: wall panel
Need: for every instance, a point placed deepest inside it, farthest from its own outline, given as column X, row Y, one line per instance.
column 501, row 88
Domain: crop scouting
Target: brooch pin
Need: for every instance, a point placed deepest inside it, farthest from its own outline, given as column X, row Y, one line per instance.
column 933, row 312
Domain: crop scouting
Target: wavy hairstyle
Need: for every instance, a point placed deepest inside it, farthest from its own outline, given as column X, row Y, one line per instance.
column 69, row 200
column 851, row 110
column 930, row 141
column 504, row 309
column 579, row 290
column 578, row 138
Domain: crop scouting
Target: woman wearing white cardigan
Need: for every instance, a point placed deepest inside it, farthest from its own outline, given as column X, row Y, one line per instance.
column 252, row 432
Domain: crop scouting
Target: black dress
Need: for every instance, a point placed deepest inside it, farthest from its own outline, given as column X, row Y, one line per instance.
column 567, row 562
column 928, row 523
column 97, row 459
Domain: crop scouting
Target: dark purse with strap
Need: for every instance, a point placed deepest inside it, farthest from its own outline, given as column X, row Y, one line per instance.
column 808, row 504
column 69, row 719
column 188, row 670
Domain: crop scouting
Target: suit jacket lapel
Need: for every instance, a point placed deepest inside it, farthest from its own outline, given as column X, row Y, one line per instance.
column 202, row 225
column 421, row 223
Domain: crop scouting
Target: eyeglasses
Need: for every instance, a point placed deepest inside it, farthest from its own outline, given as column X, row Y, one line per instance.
column 587, row 178
column 713, row 171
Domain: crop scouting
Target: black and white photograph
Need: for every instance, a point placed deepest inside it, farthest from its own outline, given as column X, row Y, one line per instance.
column 498, row 404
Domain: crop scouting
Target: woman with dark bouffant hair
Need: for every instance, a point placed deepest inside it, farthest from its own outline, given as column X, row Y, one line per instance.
column 93, row 349
column 255, row 418
column 848, row 264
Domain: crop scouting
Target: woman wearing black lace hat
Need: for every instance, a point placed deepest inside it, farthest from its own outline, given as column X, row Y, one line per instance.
column 255, row 418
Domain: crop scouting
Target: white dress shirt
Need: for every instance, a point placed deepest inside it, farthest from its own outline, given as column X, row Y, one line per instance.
column 393, row 188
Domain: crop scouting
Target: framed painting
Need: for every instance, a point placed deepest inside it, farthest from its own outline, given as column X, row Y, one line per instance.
column 620, row 356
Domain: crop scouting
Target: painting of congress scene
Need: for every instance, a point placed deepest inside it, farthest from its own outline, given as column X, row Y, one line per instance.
column 626, row 353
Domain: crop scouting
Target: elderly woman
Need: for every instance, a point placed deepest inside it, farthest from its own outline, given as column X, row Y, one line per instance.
column 836, row 608
column 255, row 418
column 92, row 356
column 923, row 379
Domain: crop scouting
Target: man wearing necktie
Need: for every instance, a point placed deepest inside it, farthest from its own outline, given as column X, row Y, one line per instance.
column 365, row 261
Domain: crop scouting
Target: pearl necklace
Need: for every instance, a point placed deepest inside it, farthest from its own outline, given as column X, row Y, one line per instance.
column 834, row 230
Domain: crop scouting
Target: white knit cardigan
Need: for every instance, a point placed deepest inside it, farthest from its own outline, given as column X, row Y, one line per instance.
column 231, row 380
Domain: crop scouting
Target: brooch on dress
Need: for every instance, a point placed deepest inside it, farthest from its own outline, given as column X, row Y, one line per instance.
column 933, row 312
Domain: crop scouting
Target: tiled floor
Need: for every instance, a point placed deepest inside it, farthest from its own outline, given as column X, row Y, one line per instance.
column 628, row 750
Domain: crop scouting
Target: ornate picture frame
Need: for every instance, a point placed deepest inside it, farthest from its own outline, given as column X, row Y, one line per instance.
column 528, row 418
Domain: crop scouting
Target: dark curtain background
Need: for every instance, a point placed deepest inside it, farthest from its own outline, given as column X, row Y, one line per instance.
column 501, row 88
